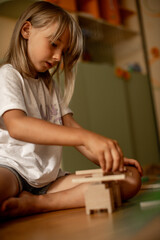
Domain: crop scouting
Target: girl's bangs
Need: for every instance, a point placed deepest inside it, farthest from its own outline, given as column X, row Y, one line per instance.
column 61, row 27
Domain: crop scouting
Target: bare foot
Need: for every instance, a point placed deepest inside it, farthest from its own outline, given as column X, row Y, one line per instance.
column 23, row 205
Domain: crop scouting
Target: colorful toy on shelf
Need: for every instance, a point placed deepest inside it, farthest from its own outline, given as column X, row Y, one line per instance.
column 89, row 7
column 103, row 191
column 155, row 55
column 109, row 10
column 121, row 73
column 69, row 6
column 155, row 52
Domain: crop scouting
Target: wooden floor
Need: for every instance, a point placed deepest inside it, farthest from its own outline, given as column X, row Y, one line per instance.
column 128, row 222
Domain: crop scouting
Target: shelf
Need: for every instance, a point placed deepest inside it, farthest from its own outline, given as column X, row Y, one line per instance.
column 101, row 31
column 93, row 28
column 126, row 13
column 100, row 37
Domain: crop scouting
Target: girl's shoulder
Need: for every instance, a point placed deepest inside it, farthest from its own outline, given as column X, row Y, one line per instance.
column 6, row 66
column 9, row 74
column 7, row 70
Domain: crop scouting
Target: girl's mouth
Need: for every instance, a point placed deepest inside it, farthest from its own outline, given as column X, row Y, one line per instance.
column 49, row 65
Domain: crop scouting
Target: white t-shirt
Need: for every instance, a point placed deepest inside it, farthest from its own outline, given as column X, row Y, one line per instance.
column 38, row 164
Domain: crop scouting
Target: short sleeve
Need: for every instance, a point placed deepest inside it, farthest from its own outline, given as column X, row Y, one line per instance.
column 64, row 110
column 11, row 90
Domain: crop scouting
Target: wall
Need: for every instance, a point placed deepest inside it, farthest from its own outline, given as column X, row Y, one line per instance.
column 6, row 28
column 9, row 12
column 130, row 51
column 151, row 20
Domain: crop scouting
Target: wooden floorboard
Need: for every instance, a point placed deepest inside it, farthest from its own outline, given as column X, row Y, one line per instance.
column 128, row 222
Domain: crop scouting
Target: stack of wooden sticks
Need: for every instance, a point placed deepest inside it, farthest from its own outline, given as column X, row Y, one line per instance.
column 103, row 191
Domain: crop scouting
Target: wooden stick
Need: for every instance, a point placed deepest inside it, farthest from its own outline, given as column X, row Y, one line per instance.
column 150, row 186
column 150, row 203
column 99, row 179
column 94, row 171
column 89, row 171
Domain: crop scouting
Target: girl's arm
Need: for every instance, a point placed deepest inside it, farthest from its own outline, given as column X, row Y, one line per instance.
column 29, row 129
column 69, row 121
column 38, row 131
column 113, row 149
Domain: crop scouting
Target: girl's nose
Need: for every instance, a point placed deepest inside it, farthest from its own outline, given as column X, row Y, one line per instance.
column 57, row 55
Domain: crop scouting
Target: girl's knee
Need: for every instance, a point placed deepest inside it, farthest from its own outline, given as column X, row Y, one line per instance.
column 132, row 184
column 8, row 184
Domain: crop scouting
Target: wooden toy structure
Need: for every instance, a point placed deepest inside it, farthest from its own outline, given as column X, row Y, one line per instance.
column 103, row 191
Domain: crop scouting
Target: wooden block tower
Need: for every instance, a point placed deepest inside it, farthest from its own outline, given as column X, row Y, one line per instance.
column 103, row 191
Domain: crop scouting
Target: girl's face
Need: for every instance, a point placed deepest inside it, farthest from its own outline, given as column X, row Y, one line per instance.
column 42, row 52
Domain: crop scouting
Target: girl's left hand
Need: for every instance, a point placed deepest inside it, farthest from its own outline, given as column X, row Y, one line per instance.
column 135, row 163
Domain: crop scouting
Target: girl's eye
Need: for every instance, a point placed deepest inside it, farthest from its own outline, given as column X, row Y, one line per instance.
column 54, row 44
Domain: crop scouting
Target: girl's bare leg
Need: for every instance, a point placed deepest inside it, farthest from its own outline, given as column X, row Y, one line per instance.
column 9, row 186
column 69, row 196
column 131, row 185
column 62, row 194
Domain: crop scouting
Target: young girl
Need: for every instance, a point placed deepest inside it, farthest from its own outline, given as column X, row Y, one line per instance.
column 35, row 121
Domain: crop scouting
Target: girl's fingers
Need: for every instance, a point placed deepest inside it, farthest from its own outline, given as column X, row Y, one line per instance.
column 116, row 160
column 118, row 163
column 110, row 156
column 121, row 165
column 109, row 160
column 135, row 163
column 119, row 149
column 102, row 162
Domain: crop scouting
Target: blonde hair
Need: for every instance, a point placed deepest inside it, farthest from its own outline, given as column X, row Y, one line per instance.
column 42, row 14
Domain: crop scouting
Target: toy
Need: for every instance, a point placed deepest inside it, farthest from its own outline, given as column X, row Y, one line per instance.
column 103, row 191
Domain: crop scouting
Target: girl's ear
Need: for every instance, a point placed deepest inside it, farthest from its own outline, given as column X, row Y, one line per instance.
column 26, row 29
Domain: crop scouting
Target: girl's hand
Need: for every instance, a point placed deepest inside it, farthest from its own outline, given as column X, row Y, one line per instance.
column 135, row 163
column 106, row 151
